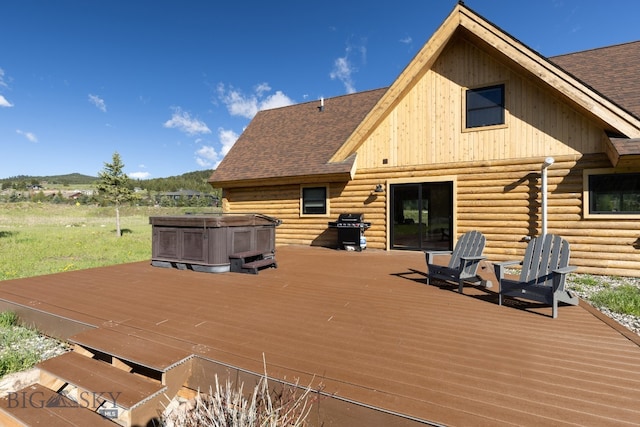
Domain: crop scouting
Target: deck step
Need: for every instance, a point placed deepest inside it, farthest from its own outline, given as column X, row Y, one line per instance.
column 131, row 349
column 37, row 405
column 253, row 266
column 251, row 261
column 99, row 386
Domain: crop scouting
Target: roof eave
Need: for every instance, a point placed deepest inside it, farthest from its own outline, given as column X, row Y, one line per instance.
column 623, row 152
column 284, row 180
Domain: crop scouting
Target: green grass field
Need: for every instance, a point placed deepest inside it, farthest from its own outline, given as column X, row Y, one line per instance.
column 37, row 239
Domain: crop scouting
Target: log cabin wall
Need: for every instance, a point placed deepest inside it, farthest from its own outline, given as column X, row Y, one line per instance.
column 496, row 170
column 501, row 199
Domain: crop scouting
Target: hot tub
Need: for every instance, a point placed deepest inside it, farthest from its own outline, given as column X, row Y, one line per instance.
column 205, row 242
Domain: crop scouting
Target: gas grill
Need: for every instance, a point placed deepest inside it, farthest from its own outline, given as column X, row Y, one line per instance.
column 351, row 227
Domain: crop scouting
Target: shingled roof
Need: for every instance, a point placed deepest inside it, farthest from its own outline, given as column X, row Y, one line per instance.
column 300, row 141
column 611, row 70
column 295, row 141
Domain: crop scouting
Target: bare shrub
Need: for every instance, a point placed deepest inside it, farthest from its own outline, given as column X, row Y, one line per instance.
column 226, row 406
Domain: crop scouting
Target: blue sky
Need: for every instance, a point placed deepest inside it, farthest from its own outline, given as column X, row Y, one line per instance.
column 170, row 85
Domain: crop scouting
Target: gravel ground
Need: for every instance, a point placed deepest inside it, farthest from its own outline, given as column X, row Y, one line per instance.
column 47, row 348
column 577, row 283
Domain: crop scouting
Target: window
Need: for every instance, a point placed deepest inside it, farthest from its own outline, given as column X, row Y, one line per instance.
column 614, row 194
column 314, row 200
column 485, row 106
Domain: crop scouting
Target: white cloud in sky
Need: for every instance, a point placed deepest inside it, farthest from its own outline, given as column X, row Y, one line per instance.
column 98, row 102
column 183, row 121
column 247, row 106
column 277, row 100
column 208, row 157
column 343, row 67
column 342, row 71
column 262, row 88
column 227, row 139
column 30, row 136
column 3, row 83
column 139, row 175
column 4, row 102
column 406, row 40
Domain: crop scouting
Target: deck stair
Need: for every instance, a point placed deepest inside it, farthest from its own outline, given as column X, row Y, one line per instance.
column 37, row 405
column 111, row 377
column 251, row 261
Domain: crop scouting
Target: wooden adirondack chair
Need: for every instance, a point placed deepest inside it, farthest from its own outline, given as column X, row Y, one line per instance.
column 542, row 278
column 463, row 265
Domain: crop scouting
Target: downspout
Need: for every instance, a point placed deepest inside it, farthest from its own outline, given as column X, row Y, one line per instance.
column 543, row 173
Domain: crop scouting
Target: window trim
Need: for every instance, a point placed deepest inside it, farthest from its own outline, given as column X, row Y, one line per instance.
column 326, row 201
column 586, row 193
column 505, row 110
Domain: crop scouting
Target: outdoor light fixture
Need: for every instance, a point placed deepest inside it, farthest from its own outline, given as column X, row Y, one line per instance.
column 543, row 175
column 379, row 189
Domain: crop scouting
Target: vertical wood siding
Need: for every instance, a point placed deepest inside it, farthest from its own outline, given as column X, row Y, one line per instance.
column 426, row 125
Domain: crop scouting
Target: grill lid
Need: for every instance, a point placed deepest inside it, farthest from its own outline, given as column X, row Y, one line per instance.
column 351, row 217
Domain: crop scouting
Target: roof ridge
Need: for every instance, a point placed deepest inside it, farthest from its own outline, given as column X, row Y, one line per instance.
column 298, row 104
column 594, row 49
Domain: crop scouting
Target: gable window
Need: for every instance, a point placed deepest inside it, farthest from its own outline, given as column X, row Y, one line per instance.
column 485, row 106
column 314, row 200
column 614, row 194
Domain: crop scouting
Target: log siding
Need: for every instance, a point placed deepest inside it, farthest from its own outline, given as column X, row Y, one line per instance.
column 501, row 199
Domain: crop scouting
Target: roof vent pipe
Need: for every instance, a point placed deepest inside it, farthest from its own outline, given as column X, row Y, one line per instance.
column 321, row 107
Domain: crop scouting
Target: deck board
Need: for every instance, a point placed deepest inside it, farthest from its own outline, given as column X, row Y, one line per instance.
column 367, row 326
column 127, row 389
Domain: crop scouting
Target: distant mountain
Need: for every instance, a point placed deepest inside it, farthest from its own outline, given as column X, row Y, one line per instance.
column 196, row 181
column 70, row 179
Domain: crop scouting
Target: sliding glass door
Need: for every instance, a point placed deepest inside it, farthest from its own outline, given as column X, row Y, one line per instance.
column 422, row 216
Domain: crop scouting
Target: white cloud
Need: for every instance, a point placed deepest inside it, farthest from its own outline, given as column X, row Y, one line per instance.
column 343, row 68
column 2, row 82
column 4, row 102
column 342, row 71
column 276, row 100
column 183, row 121
column 406, row 40
column 239, row 104
column 30, row 136
column 208, row 157
column 139, row 175
column 98, row 102
column 262, row 88
column 227, row 139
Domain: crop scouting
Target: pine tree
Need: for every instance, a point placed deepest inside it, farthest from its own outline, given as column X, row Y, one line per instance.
column 113, row 185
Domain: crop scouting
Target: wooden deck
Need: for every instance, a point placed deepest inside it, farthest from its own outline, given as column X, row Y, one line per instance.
column 367, row 327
